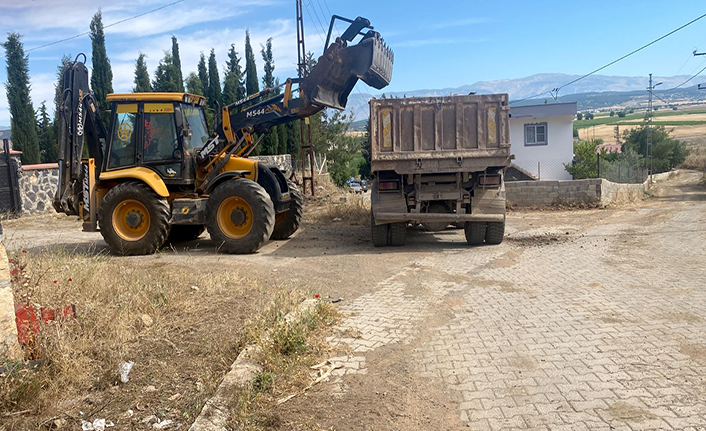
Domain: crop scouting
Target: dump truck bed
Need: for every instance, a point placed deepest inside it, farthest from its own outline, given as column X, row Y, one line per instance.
column 440, row 134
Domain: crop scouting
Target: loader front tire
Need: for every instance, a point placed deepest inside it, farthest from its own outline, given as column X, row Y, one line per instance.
column 134, row 219
column 287, row 223
column 240, row 216
column 185, row 232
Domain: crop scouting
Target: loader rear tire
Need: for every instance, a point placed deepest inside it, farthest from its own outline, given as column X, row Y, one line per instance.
column 240, row 216
column 398, row 234
column 287, row 223
column 185, row 232
column 475, row 232
column 380, row 233
column 495, row 232
column 134, row 219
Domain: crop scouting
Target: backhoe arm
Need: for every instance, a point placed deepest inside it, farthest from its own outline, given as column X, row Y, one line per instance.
column 79, row 126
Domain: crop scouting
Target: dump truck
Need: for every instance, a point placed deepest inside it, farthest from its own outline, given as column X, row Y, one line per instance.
column 156, row 172
column 438, row 161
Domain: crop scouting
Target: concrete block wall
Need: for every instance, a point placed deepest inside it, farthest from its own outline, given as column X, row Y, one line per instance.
column 282, row 161
column 38, row 185
column 600, row 191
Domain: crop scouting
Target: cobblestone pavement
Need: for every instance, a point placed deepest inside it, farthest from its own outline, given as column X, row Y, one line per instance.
column 596, row 327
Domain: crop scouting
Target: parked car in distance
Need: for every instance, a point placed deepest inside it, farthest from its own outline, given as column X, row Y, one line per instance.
column 354, row 187
column 364, row 185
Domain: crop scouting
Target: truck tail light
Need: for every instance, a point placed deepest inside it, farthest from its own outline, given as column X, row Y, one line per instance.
column 388, row 185
column 489, row 180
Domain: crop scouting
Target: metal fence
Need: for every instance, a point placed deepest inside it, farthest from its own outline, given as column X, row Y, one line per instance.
column 622, row 169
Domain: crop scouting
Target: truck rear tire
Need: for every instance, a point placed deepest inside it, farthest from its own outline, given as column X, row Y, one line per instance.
column 398, row 234
column 379, row 233
column 134, row 219
column 495, row 232
column 287, row 223
column 185, row 232
column 240, row 216
column 475, row 232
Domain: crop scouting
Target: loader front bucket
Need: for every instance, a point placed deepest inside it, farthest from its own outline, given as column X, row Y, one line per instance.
column 331, row 81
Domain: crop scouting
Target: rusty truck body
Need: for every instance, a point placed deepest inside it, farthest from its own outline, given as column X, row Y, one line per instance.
column 438, row 161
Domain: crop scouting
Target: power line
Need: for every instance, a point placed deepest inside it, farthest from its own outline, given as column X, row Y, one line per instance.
column 105, row 26
column 694, row 76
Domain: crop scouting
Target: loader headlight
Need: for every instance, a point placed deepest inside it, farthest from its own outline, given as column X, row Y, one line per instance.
column 187, row 98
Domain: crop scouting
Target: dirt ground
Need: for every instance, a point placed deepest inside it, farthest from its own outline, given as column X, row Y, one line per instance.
column 335, row 259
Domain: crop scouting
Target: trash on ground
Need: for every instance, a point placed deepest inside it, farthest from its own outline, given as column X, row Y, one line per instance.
column 161, row 425
column 124, row 370
column 96, row 425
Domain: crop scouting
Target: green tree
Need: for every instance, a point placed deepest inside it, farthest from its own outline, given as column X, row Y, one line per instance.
column 203, row 74
column 214, row 79
column 22, row 121
column 366, row 147
column 585, row 163
column 47, row 149
column 233, row 86
column 142, row 77
column 177, row 64
column 612, row 113
column 271, row 142
column 193, row 84
column 621, row 114
column 579, row 116
column 165, row 77
column 667, row 152
column 102, row 74
column 251, row 84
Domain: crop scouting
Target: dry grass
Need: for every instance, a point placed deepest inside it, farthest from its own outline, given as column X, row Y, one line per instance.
column 181, row 324
column 290, row 347
column 696, row 159
column 333, row 203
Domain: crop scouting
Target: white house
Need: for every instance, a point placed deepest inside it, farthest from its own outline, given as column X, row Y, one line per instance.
column 542, row 140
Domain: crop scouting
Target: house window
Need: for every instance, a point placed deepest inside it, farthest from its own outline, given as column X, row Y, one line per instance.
column 536, row 134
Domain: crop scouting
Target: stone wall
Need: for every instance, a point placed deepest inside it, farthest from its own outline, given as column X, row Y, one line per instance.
column 282, row 161
column 593, row 191
column 38, row 185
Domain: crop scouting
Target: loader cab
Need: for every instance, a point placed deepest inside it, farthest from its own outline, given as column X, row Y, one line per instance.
column 158, row 131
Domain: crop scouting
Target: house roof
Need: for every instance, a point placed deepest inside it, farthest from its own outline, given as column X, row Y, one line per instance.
column 543, row 110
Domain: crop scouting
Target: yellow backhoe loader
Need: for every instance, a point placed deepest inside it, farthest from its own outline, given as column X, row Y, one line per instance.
column 156, row 172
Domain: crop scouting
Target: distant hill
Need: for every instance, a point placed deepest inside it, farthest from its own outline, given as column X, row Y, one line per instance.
column 593, row 92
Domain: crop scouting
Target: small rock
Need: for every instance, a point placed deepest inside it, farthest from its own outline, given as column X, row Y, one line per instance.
column 174, row 397
column 124, row 370
column 149, row 388
column 199, row 386
column 337, row 219
column 195, row 288
column 164, row 424
column 146, row 320
column 59, row 423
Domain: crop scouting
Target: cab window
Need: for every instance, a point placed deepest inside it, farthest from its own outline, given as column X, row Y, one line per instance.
column 122, row 148
column 160, row 137
column 196, row 122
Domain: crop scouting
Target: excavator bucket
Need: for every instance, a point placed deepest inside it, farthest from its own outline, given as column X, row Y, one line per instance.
column 332, row 79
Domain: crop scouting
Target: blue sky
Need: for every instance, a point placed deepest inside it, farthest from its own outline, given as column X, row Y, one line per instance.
column 437, row 44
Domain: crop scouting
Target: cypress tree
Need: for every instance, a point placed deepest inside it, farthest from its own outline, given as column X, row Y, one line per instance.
column 142, row 77
column 177, row 64
column 101, row 75
column 193, row 84
column 203, row 74
column 23, row 125
column 165, row 77
column 233, row 87
column 214, row 79
column 47, row 150
column 251, row 84
column 271, row 142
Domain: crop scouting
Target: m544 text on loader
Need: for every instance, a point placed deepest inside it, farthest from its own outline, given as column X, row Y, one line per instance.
column 156, row 172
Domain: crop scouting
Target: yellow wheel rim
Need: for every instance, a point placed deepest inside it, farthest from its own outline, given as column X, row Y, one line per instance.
column 131, row 220
column 279, row 218
column 235, row 217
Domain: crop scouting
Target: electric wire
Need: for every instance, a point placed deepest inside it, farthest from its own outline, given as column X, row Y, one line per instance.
column 104, row 27
column 555, row 92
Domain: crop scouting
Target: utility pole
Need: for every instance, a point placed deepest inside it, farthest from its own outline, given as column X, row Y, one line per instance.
column 307, row 149
column 648, row 121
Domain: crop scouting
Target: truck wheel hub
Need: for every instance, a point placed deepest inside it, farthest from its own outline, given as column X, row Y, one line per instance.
column 238, row 216
column 133, row 219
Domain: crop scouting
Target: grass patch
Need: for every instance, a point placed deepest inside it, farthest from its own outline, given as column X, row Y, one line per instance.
column 180, row 321
column 289, row 347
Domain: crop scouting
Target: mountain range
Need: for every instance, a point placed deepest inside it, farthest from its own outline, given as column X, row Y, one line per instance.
column 592, row 92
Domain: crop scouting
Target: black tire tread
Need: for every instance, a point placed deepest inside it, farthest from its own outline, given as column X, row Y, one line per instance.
column 398, row 234
column 159, row 213
column 263, row 216
column 286, row 228
column 475, row 232
column 380, row 233
column 495, row 232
